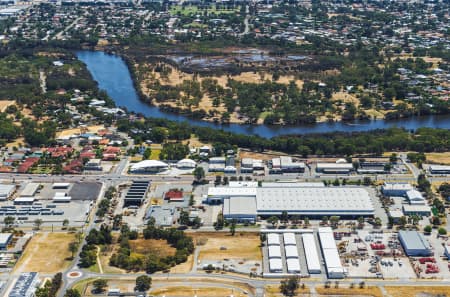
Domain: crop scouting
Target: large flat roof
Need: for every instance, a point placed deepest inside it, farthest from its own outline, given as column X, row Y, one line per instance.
column 314, row 200
column 413, row 240
column 239, row 206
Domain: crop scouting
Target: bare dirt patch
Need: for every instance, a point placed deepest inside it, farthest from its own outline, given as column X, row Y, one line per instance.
column 5, row 103
column 219, row 246
column 367, row 291
column 46, row 253
column 439, row 158
column 152, row 246
column 416, row 291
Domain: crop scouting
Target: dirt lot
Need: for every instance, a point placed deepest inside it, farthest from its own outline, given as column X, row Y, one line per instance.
column 417, row 291
column 184, row 291
column 68, row 132
column 439, row 158
column 152, row 246
column 219, row 246
column 356, row 291
column 46, row 253
column 5, row 103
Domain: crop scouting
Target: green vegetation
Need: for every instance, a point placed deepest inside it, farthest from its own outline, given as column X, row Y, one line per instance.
column 50, row 288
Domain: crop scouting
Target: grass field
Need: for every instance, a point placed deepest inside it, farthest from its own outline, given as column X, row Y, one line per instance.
column 46, row 253
column 368, row 291
column 417, row 291
column 219, row 246
column 441, row 158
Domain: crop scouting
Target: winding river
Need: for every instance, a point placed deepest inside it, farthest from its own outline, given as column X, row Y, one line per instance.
column 113, row 76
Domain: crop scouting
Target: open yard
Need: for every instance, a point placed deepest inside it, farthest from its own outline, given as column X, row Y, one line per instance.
column 356, row 291
column 438, row 158
column 219, row 246
column 418, row 291
column 46, row 253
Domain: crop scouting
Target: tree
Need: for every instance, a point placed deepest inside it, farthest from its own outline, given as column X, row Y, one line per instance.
column 73, row 248
column 284, row 216
column 100, row 285
column 272, row 220
column 334, row 221
column 143, row 283
column 289, row 286
column 199, row 173
column 427, row 229
column 37, row 223
column 233, row 227
column 9, row 221
column 184, row 218
column 72, row 293
column 442, row 231
column 65, row 223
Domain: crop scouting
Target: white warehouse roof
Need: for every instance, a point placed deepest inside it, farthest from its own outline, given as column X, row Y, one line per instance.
column 314, row 201
column 289, row 239
column 6, row 190
column 231, row 191
column 275, row 265
column 415, row 197
column 148, row 164
column 312, row 257
column 293, row 265
column 274, row 251
column 30, row 189
column 291, row 251
column 273, row 239
column 186, row 163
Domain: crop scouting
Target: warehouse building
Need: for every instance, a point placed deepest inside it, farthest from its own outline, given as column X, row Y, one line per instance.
column 30, row 190
column 5, row 239
column 136, row 193
column 61, row 186
column 25, row 285
column 273, row 239
column 416, row 209
column 334, row 168
column 241, row 209
column 6, row 191
column 414, row 243
column 439, row 169
column 312, row 257
column 289, row 239
column 286, row 164
column 330, row 253
column 293, row 265
column 216, row 164
column 186, row 164
column 396, row 189
column 415, row 197
column 275, row 265
column 149, row 166
column 314, row 202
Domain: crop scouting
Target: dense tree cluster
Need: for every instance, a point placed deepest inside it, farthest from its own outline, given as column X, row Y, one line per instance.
column 88, row 255
column 50, row 288
column 152, row 263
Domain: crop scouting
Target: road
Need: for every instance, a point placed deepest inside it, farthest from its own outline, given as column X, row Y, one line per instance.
column 246, row 19
column 60, row 34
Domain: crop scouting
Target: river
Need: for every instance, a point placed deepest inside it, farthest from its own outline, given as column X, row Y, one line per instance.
column 113, row 76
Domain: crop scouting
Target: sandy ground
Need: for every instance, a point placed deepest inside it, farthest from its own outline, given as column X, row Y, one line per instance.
column 204, row 290
column 152, row 246
column 68, row 132
column 345, row 97
column 5, row 103
column 416, row 291
column 439, row 158
column 219, row 246
column 260, row 156
column 356, row 291
column 46, row 253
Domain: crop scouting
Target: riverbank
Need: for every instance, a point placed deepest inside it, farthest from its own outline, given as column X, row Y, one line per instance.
column 113, row 76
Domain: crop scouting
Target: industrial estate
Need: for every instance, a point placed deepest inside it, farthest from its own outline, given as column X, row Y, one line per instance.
column 224, row 148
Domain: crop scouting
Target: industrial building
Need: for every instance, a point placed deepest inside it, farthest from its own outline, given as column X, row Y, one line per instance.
column 216, row 164
column 439, row 169
column 61, row 186
column 416, row 209
column 93, row 164
column 330, row 253
column 334, row 168
column 30, row 190
column 25, row 285
column 415, row 197
column 5, row 239
column 149, row 166
column 186, row 164
column 414, row 243
column 136, row 193
column 312, row 257
column 396, row 189
column 6, row 191
column 247, row 203
column 286, row 164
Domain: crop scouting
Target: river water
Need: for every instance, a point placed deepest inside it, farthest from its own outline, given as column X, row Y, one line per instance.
column 113, row 76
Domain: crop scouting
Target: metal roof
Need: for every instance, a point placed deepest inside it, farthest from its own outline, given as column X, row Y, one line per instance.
column 239, row 206
column 289, row 239
column 312, row 257
column 413, row 240
column 293, row 265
